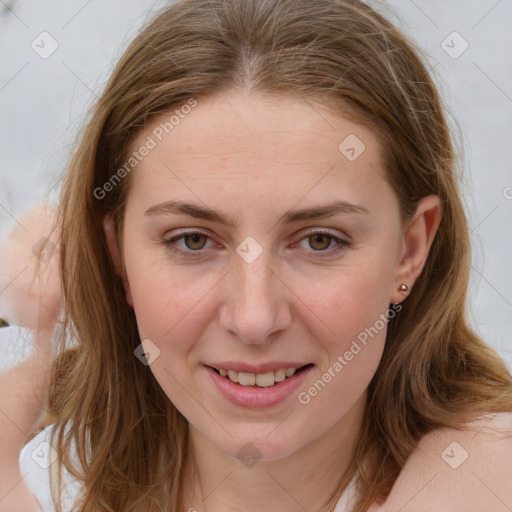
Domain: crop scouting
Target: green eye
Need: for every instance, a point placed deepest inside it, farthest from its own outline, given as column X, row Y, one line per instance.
column 194, row 241
column 318, row 239
column 319, row 242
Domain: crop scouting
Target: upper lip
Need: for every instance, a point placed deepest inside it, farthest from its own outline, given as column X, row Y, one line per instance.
column 238, row 366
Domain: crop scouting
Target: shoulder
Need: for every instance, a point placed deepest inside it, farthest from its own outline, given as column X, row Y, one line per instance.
column 458, row 471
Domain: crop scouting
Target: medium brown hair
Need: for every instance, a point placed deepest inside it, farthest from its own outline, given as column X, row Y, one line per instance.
column 435, row 371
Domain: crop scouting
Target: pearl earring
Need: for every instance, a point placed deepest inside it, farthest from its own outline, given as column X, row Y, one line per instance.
column 403, row 287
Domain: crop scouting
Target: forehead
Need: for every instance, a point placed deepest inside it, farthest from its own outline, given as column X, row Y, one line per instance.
column 283, row 143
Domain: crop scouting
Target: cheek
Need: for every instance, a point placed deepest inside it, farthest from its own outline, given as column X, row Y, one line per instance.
column 354, row 344
column 351, row 333
column 170, row 313
column 347, row 303
column 348, row 318
column 169, row 303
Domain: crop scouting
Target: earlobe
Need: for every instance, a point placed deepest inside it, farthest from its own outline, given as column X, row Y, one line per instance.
column 418, row 238
column 113, row 248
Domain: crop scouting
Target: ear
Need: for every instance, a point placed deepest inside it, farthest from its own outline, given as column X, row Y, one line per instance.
column 110, row 234
column 418, row 237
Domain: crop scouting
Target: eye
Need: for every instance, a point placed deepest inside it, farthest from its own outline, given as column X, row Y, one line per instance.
column 320, row 240
column 194, row 241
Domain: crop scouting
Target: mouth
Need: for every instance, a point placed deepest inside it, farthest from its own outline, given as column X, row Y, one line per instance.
column 260, row 380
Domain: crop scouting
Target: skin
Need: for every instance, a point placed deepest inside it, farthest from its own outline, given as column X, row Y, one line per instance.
column 30, row 297
column 314, row 451
column 253, row 158
column 458, row 470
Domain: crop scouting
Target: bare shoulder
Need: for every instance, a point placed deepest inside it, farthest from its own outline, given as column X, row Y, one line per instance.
column 454, row 471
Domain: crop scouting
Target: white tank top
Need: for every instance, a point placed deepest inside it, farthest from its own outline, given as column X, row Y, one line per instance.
column 37, row 456
column 35, row 460
column 348, row 498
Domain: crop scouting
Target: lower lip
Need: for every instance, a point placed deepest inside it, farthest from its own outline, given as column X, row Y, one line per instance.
column 258, row 397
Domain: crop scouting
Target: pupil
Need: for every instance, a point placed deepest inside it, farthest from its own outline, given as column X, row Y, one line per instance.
column 318, row 239
column 195, row 238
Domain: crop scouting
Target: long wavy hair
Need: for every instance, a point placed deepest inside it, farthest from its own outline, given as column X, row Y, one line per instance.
column 116, row 426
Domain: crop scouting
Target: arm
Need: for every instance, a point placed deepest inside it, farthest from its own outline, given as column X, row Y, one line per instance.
column 22, row 396
column 32, row 300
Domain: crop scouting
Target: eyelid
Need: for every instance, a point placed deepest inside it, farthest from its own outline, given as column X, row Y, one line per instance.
column 342, row 241
column 326, row 231
column 186, row 253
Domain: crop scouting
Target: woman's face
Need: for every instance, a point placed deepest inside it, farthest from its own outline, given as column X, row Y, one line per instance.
column 263, row 281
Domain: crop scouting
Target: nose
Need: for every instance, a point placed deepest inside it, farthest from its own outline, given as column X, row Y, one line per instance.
column 257, row 302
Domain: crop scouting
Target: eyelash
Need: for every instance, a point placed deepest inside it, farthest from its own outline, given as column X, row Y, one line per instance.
column 342, row 244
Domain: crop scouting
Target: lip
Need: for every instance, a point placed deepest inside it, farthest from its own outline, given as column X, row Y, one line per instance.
column 256, row 368
column 249, row 397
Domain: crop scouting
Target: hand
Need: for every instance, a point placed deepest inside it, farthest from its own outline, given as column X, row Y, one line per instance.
column 30, row 296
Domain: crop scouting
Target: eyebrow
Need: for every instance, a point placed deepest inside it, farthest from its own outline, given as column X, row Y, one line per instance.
column 288, row 217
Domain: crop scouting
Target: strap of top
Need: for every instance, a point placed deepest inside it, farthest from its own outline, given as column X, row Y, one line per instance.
column 347, row 499
column 35, row 460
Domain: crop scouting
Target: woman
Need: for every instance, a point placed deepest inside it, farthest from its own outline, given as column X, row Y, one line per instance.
column 265, row 263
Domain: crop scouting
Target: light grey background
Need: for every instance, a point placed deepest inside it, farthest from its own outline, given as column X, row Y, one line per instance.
column 43, row 103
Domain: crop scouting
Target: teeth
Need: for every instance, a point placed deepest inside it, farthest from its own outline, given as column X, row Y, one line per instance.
column 290, row 372
column 280, row 375
column 263, row 380
column 246, row 379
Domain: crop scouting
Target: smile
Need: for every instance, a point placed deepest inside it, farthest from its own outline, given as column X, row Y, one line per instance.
column 262, row 380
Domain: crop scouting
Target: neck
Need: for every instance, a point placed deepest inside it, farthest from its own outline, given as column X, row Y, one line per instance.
column 304, row 480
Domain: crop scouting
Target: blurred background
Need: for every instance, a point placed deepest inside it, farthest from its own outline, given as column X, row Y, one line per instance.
column 56, row 57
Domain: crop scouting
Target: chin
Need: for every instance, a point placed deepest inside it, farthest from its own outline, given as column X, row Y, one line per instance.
column 260, row 445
